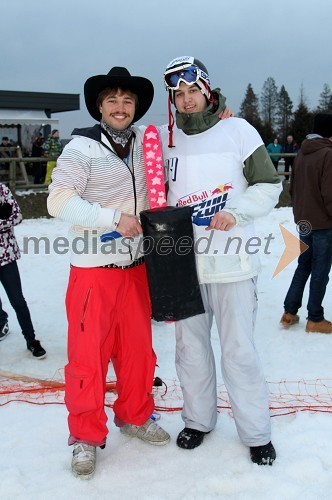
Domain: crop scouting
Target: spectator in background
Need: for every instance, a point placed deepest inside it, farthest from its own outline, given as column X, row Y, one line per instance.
column 10, row 215
column 53, row 149
column 312, row 207
column 5, row 153
column 289, row 147
column 37, row 151
column 274, row 147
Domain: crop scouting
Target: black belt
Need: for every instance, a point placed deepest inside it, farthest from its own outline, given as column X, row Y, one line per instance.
column 137, row 262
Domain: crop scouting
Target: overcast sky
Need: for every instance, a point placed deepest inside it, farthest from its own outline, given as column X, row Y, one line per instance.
column 55, row 46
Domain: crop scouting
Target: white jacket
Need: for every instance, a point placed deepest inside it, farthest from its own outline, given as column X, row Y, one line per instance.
column 90, row 188
column 205, row 171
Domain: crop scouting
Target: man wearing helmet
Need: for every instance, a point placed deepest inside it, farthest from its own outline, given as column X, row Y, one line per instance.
column 220, row 168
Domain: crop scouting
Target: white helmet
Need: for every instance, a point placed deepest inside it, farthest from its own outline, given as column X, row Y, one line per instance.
column 189, row 70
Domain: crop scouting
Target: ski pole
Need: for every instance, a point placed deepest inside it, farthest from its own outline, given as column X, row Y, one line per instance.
column 198, row 221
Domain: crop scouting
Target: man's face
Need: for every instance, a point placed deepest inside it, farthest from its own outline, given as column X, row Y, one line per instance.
column 289, row 139
column 189, row 99
column 118, row 109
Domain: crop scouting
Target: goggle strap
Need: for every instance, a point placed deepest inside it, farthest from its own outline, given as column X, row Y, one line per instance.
column 204, row 88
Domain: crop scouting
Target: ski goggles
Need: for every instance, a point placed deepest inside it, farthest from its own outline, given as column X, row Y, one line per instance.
column 187, row 74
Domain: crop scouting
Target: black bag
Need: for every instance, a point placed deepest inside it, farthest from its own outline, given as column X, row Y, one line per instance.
column 170, row 262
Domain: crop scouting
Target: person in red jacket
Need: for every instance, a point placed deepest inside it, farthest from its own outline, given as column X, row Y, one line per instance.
column 312, row 207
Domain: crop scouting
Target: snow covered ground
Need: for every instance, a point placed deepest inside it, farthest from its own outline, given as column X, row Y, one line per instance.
column 35, row 459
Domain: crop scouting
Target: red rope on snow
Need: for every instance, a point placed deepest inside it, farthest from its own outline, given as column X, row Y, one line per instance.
column 286, row 397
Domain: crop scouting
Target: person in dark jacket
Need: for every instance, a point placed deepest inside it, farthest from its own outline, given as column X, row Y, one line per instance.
column 289, row 147
column 10, row 216
column 5, row 153
column 312, row 207
column 39, row 168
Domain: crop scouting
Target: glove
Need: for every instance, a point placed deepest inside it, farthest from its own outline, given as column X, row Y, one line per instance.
column 5, row 210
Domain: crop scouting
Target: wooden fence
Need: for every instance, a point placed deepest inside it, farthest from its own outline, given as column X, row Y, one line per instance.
column 17, row 177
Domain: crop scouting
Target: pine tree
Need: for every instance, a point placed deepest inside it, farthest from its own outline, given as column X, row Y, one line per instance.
column 284, row 113
column 325, row 100
column 267, row 133
column 302, row 122
column 269, row 99
column 249, row 108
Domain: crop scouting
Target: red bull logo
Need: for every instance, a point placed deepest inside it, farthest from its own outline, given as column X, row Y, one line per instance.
column 193, row 198
column 222, row 188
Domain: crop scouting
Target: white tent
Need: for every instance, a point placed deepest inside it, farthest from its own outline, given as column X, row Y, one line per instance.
column 29, row 121
column 25, row 117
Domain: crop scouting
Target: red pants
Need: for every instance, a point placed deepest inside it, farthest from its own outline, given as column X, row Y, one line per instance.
column 109, row 318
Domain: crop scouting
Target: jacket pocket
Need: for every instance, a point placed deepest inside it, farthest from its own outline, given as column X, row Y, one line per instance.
column 80, row 389
column 85, row 308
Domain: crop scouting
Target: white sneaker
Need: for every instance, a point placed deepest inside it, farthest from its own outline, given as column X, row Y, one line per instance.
column 83, row 463
column 150, row 432
column 4, row 330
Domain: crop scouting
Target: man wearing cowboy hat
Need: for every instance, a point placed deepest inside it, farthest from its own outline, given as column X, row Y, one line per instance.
column 99, row 186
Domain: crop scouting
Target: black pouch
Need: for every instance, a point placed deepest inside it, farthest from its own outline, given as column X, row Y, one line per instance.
column 170, row 262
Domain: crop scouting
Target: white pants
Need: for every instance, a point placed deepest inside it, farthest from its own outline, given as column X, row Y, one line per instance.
column 234, row 307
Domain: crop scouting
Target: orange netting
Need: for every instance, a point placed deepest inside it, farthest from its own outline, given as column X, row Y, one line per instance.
column 286, row 397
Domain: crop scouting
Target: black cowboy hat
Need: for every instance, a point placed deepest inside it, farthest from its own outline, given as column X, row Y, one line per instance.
column 118, row 77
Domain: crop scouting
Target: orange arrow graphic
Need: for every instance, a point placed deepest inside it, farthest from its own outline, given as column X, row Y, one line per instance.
column 293, row 249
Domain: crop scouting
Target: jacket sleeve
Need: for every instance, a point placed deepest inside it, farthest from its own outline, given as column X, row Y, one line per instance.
column 262, row 193
column 47, row 146
column 326, row 184
column 65, row 201
column 15, row 217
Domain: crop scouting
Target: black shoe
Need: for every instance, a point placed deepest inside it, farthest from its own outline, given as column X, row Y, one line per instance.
column 263, row 455
column 4, row 330
column 190, row 438
column 37, row 350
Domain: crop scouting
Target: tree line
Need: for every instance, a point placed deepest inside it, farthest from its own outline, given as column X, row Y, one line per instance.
column 272, row 113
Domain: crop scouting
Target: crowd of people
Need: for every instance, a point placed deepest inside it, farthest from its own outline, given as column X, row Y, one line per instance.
column 98, row 185
column 49, row 148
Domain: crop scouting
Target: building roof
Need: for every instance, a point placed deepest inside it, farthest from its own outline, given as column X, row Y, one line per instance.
column 49, row 102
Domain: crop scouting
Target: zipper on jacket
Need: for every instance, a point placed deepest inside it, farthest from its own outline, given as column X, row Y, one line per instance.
column 132, row 173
